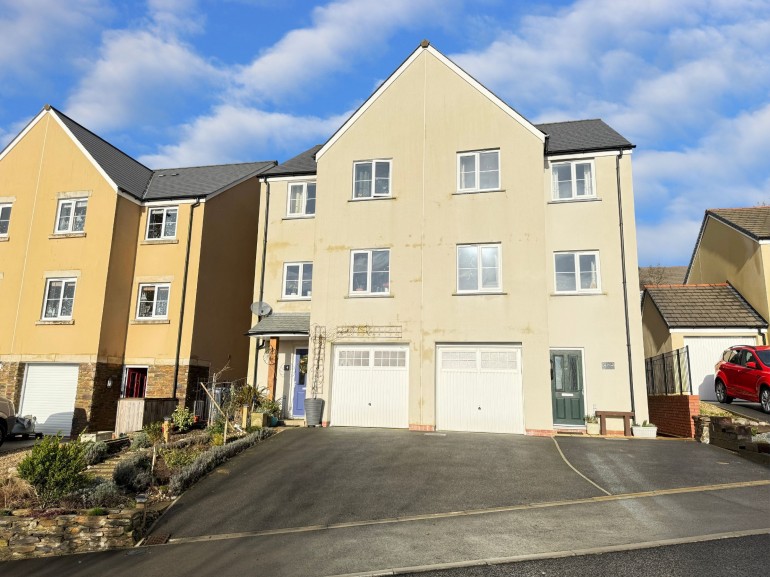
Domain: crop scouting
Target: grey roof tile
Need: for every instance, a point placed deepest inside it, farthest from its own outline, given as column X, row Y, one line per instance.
column 199, row 181
column 753, row 221
column 282, row 323
column 303, row 163
column 582, row 136
column 704, row 306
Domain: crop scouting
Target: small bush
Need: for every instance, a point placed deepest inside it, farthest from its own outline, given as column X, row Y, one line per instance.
column 54, row 469
column 16, row 492
column 202, row 438
column 133, row 473
column 218, row 426
column 141, row 440
column 95, row 452
column 154, row 431
column 179, row 458
column 96, row 511
column 217, row 439
column 183, row 418
column 104, row 494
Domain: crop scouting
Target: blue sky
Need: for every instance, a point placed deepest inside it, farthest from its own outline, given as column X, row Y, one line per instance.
column 186, row 82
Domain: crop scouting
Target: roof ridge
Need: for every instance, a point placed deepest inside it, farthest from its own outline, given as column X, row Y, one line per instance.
column 723, row 284
column 213, row 165
column 572, row 121
column 740, row 207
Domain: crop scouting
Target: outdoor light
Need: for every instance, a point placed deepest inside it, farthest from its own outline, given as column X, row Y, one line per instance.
column 109, row 383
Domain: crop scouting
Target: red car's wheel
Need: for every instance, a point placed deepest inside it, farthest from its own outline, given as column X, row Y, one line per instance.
column 764, row 399
column 722, row 395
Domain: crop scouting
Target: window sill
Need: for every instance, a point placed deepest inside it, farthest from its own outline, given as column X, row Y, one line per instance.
column 479, row 294
column 369, row 296
column 579, row 294
column 367, row 198
column 467, row 192
column 294, row 300
column 5, row 238
column 67, row 235
column 160, row 241
column 56, row 322
column 150, row 322
column 298, row 217
column 570, row 200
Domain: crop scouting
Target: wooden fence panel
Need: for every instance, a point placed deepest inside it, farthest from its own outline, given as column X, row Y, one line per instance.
column 133, row 414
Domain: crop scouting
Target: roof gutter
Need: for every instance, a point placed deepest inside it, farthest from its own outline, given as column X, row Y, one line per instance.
column 625, row 283
column 260, row 341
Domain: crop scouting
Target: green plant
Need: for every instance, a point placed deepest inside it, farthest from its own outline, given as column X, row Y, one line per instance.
column 217, row 439
column 54, row 469
column 271, row 407
column 217, row 427
column 591, row 419
column 183, row 418
column 179, row 458
column 647, row 424
column 96, row 511
column 103, row 494
column 141, row 440
column 95, row 452
column 133, row 473
column 154, row 431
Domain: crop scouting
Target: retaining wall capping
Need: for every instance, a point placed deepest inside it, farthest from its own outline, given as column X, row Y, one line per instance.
column 24, row 536
column 739, row 436
column 673, row 414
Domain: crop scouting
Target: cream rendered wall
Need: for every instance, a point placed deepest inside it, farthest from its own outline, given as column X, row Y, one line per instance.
column 596, row 322
column 422, row 121
column 289, row 240
column 45, row 164
column 657, row 337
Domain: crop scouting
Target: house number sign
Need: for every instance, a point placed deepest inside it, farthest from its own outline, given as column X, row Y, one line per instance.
column 608, row 365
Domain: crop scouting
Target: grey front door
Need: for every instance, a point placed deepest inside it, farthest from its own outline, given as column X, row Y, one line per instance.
column 567, row 387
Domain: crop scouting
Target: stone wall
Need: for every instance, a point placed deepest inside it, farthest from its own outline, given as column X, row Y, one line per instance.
column 742, row 437
column 23, row 536
column 160, row 382
column 673, row 414
column 11, row 380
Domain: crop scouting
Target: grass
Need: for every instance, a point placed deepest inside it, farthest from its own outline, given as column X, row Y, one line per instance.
column 709, row 410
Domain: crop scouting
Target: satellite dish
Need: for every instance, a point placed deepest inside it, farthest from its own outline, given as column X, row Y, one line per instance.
column 261, row 309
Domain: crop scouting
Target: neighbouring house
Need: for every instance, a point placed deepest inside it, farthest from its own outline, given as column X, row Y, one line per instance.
column 443, row 263
column 117, row 280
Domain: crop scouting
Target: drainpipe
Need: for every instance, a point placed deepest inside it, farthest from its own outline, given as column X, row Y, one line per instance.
column 184, row 295
column 260, row 342
column 625, row 284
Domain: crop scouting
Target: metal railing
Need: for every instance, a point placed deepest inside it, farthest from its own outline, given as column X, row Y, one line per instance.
column 669, row 373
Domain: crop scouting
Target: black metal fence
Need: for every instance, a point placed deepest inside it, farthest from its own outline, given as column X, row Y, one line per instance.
column 669, row 373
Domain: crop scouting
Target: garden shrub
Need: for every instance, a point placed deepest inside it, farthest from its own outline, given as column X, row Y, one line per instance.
column 183, row 418
column 133, row 473
column 217, row 439
column 141, row 440
column 95, row 452
column 104, row 494
column 16, row 492
column 96, row 511
column 54, row 469
column 179, row 458
column 154, row 431
column 200, row 439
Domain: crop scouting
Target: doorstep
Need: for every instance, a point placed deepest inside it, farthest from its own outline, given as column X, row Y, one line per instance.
column 294, row 422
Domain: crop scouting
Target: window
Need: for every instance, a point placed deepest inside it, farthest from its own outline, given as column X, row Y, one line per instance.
column 301, row 201
column 298, row 280
column 571, row 180
column 577, row 272
column 370, row 271
column 5, row 218
column 477, row 171
column 153, row 301
column 478, row 268
column 71, row 216
column 389, row 358
column 371, row 179
column 59, row 298
column 353, row 358
column 161, row 223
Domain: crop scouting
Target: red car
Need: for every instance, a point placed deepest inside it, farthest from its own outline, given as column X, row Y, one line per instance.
column 744, row 373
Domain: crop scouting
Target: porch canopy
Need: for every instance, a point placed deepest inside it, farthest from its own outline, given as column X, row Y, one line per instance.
column 282, row 325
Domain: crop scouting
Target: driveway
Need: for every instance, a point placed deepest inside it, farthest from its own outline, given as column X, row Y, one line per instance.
column 745, row 409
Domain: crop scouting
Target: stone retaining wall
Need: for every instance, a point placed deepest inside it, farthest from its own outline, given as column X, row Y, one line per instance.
column 673, row 414
column 24, row 536
column 735, row 435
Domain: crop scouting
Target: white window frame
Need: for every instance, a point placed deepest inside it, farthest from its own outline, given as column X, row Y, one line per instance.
column 9, row 206
column 302, row 213
column 479, row 288
column 476, row 154
column 65, row 281
column 300, row 279
column 372, row 188
column 163, row 235
column 573, row 180
column 576, row 255
column 368, row 291
column 74, row 202
column 154, row 315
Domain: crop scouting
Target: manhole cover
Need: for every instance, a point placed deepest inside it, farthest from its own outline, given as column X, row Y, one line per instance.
column 157, row 539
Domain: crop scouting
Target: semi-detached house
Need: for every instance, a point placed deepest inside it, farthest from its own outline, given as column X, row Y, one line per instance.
column 443, row 263
column 117, row 280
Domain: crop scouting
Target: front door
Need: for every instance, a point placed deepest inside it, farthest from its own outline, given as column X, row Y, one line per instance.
column 567, row 387
column 136, row 383
column 300, row 382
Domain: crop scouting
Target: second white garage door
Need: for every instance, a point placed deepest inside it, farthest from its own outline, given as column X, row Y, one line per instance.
column 704, row 354
column 479, row 388
column 370, row 386
column 49, row 394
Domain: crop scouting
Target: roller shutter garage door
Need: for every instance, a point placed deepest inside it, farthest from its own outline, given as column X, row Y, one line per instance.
column 49, row 394
column 479, row 388
column 705, row 352
column 370, row 386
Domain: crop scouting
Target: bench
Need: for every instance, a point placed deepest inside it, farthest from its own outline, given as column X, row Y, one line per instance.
column 625, row 415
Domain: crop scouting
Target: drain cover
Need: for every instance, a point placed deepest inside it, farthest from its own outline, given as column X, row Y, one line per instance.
column 157, row 539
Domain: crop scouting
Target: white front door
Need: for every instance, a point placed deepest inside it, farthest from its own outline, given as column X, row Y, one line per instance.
column 479, row 388
column 49, row 394
column 705, row 352
column 370, row 386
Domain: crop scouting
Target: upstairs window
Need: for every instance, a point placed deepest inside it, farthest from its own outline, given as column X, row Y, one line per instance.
column 371, row 179
column 298, row 280
column 370, row 272
column 161, row 223
column 71, row 216
column 5, row 219
column 478, row 268
column 478, row 171
column 59, row 298
column 577, row 272
column 573, row 180
column 301, row 201
column 153, row 301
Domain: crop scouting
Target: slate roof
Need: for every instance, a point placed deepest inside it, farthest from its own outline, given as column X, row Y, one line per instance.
column 282, row 324
column 704, row 306
column 582, row 136
column 753, row 221
column 303, row 163
column 143, row 183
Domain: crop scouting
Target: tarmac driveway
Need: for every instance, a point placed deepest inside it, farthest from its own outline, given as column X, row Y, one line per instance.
column 318, row 477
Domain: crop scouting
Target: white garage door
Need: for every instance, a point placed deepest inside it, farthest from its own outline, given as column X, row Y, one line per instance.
column 479, row 388
column 370, row 386
column 49, row 394
column 705, row 352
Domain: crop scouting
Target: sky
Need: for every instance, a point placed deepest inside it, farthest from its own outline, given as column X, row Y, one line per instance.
column 191, row 82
